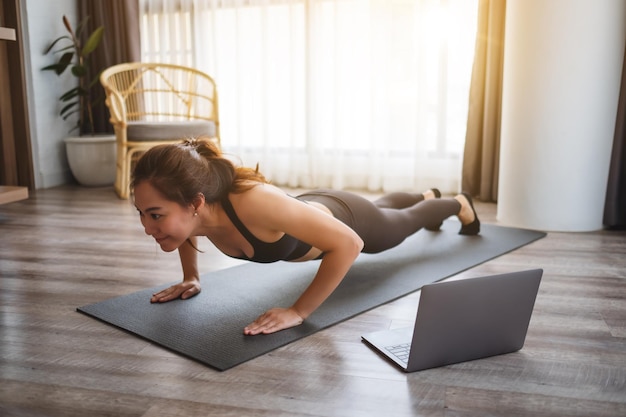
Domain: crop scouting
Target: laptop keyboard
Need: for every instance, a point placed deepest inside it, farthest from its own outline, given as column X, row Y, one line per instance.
column 400, row 351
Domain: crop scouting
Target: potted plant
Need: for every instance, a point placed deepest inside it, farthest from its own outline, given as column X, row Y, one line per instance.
column 91, row 156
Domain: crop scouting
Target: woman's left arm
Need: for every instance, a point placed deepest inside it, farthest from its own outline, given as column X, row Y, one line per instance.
column 340, row 244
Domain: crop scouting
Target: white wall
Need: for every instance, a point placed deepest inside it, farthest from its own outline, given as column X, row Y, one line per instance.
column 562, row 74
column 42, row 23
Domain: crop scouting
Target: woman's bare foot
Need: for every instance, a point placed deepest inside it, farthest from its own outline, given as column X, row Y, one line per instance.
column 432, row 193
column 467, row 215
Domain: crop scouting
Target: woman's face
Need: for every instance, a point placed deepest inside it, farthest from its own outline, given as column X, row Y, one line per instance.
column 169, row 223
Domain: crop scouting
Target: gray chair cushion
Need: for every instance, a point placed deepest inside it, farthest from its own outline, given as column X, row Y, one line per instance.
column 155, row 131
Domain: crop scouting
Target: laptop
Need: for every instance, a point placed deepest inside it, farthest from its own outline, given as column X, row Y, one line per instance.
column 463, row 320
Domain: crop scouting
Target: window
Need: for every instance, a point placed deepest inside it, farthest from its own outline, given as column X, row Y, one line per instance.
column 331, row 93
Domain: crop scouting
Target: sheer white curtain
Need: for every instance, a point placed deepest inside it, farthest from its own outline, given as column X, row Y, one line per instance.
column 364, row 94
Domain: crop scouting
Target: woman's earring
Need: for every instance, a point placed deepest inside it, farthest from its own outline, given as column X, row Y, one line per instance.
column 195, row 213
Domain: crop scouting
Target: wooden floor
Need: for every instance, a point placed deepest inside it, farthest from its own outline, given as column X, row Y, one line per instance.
column 70, row 246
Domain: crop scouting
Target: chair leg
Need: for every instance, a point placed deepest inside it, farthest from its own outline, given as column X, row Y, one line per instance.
column 123, row 172
column 119, row 176
column 125, row 191
column 117, row 181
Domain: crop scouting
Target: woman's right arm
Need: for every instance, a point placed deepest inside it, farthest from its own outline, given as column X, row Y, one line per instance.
column 191, row 277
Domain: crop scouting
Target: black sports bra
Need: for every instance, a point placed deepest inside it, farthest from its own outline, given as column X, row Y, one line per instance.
column 287, row 248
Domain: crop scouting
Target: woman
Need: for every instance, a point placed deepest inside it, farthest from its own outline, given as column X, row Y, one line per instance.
column 187, row 190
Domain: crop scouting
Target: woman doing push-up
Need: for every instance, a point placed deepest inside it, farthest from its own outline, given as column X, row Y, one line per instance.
column 190, row 189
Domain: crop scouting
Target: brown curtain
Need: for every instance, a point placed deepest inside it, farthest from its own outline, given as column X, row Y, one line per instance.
column 615, row 202
column 120, row 43
column 482, row 140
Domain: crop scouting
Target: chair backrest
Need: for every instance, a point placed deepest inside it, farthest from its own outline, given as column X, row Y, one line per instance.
column 145, row 92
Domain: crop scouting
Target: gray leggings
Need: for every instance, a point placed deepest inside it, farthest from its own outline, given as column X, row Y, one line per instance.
column 386, row 222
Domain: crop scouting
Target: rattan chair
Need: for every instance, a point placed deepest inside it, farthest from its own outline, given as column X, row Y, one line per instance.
column 152, row 104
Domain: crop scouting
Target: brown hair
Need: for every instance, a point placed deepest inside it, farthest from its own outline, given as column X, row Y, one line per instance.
column 195, row 166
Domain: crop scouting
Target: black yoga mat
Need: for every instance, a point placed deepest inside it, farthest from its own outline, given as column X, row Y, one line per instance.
column 209, row 326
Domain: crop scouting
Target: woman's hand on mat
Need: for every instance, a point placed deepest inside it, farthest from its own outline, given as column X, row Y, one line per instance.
column 184, row 290
column 273, row 321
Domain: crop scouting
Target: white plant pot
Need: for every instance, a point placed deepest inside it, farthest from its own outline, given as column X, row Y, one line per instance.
column 92, row 159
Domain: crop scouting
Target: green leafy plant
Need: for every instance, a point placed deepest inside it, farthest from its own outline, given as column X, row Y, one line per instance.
column 75, row 55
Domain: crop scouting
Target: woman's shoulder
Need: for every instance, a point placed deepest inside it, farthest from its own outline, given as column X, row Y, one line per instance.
column 257, row 194
column 261, row 200
column 263, row 207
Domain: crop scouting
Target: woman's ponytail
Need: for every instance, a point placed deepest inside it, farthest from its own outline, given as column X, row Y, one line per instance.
column 195, row 166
